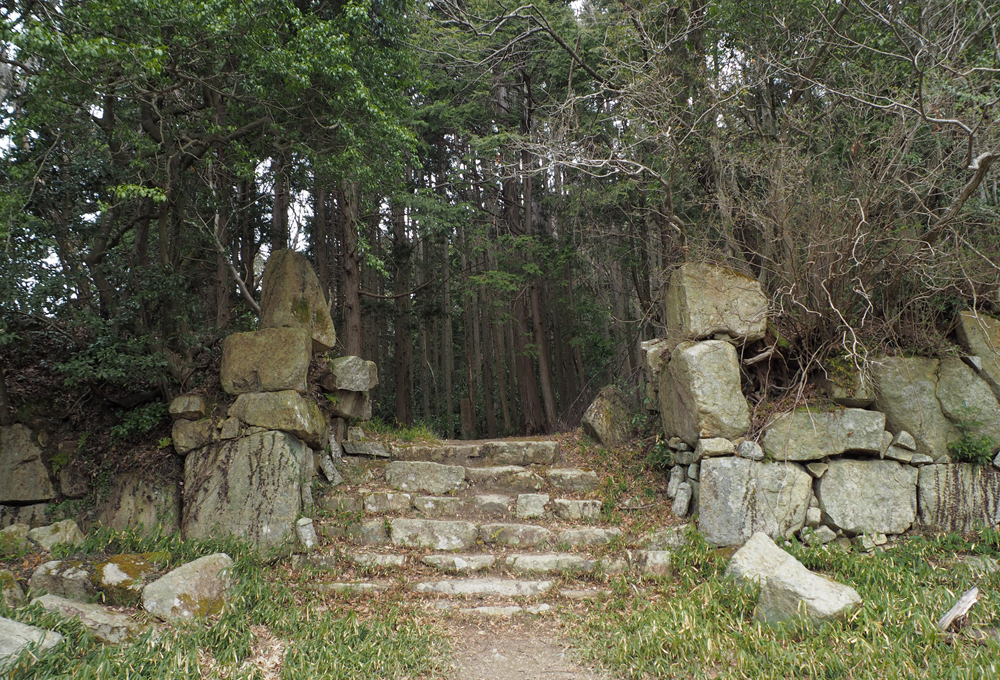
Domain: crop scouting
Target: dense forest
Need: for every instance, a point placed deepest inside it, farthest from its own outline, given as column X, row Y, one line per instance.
column 493, row 195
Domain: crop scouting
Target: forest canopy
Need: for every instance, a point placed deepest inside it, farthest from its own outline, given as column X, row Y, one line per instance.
column 493, row 195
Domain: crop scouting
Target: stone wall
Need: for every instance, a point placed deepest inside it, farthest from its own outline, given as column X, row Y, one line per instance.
column 873, row 464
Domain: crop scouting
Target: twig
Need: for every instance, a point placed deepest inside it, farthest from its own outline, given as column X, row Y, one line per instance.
column 959, row 609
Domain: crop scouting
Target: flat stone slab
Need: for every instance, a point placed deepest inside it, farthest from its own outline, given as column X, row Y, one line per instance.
column 530, row 505
column 868, row 496
column 654, row 562
column 106, row 625
column 386, row 503
column 496, row 505
column 504, row 479
column 438, row 506
column 351, row 588
column 587, row 536
column 377, row 561
column 550, row 563
column 435, row 534
column 813, row 435
column 574, row 511
column 422, row 476
column 268, row 360
column 460, row 564
column 485, row 587
column 500, row 452
column 16, row 636
column 514, row 535
column 573, row 479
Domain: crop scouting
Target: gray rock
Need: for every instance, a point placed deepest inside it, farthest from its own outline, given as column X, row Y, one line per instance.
column 693, row 471
column 550, row 563
column 340, row 503
column 287, row 411
column 491, row 504
column 958, row 497
column 574, row 511
column 514, row 535
column 249, row 487
column 372, row 532
column 813, row 435
column 501, row 452
column 268, row 360
column 705, row 299
column 907, row 395
column 740, row 497
column 823, row 535
column 329, row 468
column 979, row 335
column 700, row 393
column 16, row 637
column 817, row 470
column 813, row 517
column 66, row 532
column 607, row 418
column 792, row 590
column 11, row 594
column 387, row 503
column 438, row 506
column 654, row 562
column 887, row 442
column 435, row 534
column 370, row 449
column 485, row 587
column 868, row 496
column 23, row 477
column 73, row 481
column 459, row 564
column 291, row 296
column 904, row 440
column 713, row 447
column 352, row 374
column 355, row 434
column 377, row 561
column 750, row 450
column 350, row 405
column 106, row 625
column 188, row 435
column 530, row 505
column 187, row 407
column 677, row 475
column 121, row 578
column 573, row 479
column 142, row 500
column 920, row 459
column 898, row 454
column 429, row 477
column 846, row 386
column 964, row 396
column 306, row 533
column 193, row 590
column 682, row 501
column 351, row 588
column 71, row 579
column 668, row 539
column 504, row 478
column 14, row 540
column 231, row 429
column 589, row 536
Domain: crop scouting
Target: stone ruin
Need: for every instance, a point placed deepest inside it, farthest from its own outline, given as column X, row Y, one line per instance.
column 876, row 464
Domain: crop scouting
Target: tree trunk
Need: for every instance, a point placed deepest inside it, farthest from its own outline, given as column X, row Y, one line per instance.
column 279, row 213
column 402, row 342
column 6, row 412
column 447, row 347
column 351, row 335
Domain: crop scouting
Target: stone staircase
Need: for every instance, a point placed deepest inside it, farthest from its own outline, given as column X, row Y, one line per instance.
column 491, row 528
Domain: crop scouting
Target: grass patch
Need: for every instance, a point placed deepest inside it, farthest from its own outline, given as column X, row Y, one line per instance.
column 316, row 637
column 700, row 625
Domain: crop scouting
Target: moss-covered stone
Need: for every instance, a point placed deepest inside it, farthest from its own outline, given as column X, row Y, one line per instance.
column 122, row 578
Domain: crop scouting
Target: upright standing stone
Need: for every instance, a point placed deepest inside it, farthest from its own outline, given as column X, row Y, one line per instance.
column 980, row 336
column 248, row 487
column 291, row 296
column 704, row 300
column 23, row 477
column 607, row 419
column 700, row 394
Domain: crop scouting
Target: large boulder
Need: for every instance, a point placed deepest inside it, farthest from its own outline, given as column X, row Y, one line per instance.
column 139, row 499
column 607, row 419
column 287, row 411
column 268, row 360
column 740, row 497
column 700, row 394
column 979, row 334
column 789, row 590
column 868, row 496
column 964, row 396
column 353, row 374
column 291, row 296
column 811, row 435
column 958, row 497
column 23, row 477
column 703, row 300
column 192, row 591
column 906, row 392
column 15, row 637
column 249, row 487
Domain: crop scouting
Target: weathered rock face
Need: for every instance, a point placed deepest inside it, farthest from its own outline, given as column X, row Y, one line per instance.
column 789, row 589
column 16, row 636
column 23, row 477
column 740, row 497
column 700, row 393
column 907, row 394
column 194, row 590
column 188, row 435
column 812, row 435
column 71, row 579
column 268, row 360
column 122, row 577
column 292, row 297
column 868, row 496
column 655, row 354
column 32, row 515
column 287, row 411
column 703, row 300
column 351, row 405
column 964, row 396
column 248, row 487
column 350, row 373
column 980, row 336
column 106, row 625
column 65, row 531
column 423, row 476
column 143, row 500
column 957, row 497
column 607, row 419
column 187, row 407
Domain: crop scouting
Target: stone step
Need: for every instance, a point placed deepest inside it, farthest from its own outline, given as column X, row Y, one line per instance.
column 492, row 612
column 496, row 452
column 484, row 587
column 499, row 506
column 438, row 479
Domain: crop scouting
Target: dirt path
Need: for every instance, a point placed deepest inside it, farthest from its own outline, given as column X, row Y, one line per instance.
column 527, row 650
